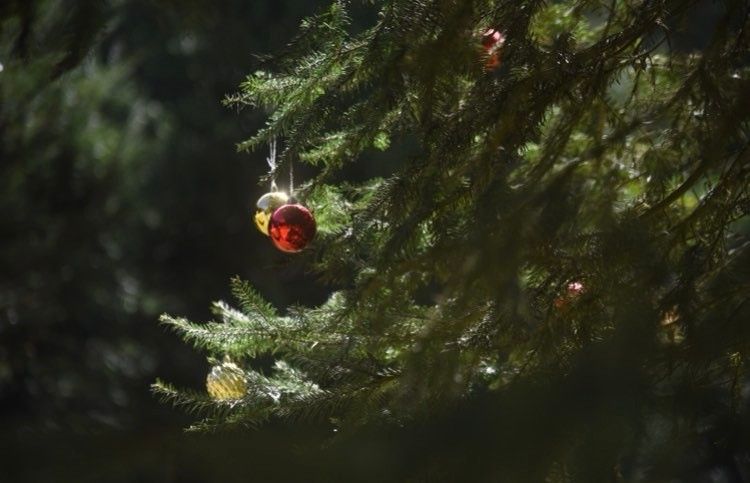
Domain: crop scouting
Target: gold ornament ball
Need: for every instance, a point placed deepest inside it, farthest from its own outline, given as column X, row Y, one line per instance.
column 226, row 381
column 267, row 204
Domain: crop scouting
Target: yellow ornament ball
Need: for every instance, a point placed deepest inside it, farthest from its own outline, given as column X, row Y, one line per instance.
column 266, row 205
column 226, row 382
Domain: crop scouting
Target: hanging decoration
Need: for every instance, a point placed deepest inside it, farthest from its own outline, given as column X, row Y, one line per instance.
column 492, row 43
column 226, row 381
column 573, row 290
column 268, row 203
column 290, row 225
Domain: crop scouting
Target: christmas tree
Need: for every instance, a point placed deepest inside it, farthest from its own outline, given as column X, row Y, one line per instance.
column 545, row 280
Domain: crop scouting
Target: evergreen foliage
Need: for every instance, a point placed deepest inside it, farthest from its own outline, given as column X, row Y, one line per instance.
column 604, row 151
column 75, row 132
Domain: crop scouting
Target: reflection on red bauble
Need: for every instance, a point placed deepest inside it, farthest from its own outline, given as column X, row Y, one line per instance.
column 291, row 228
column 573, row 291
column 492, row 38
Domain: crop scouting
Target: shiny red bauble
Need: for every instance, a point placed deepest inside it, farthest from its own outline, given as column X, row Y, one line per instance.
column 573, row 290
column 492, row 38
column 492, row 42
column 291, row 228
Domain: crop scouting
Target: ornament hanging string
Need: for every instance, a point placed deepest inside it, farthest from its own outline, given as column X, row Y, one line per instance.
column 291, row 178
column 271, row 160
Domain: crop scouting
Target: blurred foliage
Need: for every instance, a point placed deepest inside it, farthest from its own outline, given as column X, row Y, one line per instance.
column 121, row 196
column 74, row 145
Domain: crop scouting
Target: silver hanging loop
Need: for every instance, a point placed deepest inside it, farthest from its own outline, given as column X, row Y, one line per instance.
column 291, row 178
column 271, row 160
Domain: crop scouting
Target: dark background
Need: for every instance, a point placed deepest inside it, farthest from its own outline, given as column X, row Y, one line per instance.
column 122, row 197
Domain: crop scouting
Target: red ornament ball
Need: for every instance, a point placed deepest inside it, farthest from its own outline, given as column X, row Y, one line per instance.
column 492, row 39
column 573, row 290
column 291, row 228
column 492, row 42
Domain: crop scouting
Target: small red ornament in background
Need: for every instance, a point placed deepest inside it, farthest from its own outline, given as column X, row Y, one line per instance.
column 291, row 228
column 492, row 42
column 573, row 290
column 491, row 38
